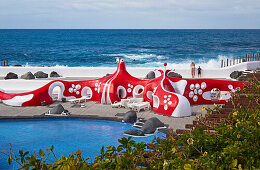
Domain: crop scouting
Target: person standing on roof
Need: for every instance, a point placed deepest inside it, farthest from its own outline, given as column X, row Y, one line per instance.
column 199, row 72
column 192, row 66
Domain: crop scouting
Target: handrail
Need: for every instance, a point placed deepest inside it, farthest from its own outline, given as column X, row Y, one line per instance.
column 238, row 59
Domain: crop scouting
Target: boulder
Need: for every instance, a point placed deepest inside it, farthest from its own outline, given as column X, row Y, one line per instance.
column 235, row 74
column 28, row 76
column 107, row 75
column 41, row 74
column 242, row 78
column 150, row 75
column 57, row 109
column 11, row 75
column 175, row 75
column 130, row 117
column 54, row 74
column 151, row 124
column 134, row 132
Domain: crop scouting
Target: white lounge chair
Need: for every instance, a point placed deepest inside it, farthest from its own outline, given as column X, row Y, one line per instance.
column 127, row 103
column 116, row 104
column 78, row 100
column 130, row 102
column 131, row 105
column 137, row 100
column 142, row 105
column 124, row 102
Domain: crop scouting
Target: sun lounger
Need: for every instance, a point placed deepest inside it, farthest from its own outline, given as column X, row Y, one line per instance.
column 137, row 100
column 142, row 105
column 127, row 103
column 116, row 105
column 124, row 102
column 78, row 100
column 131, row 105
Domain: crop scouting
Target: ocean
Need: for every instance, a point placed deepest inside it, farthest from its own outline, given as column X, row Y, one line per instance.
column 139, row 48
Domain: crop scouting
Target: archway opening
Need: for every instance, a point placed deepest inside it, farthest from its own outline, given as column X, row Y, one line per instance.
column 121, row 92
column 156, row 101
column 56, row 93
column 86, row 91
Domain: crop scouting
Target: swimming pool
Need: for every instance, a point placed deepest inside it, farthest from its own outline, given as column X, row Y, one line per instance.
column 67, row 135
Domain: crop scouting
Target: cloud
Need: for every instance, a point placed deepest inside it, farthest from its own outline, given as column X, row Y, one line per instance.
column 130, row 13
column 183, row 5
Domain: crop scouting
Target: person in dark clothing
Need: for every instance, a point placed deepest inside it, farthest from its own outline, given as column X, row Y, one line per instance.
column 199, row 72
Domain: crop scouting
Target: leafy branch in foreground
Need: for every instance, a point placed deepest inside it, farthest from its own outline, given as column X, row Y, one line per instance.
column 41, row 160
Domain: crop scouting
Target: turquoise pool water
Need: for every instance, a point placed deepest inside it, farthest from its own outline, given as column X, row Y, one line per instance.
column 67, row 135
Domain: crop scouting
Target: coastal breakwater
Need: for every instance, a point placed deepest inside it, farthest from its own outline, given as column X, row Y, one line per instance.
column 140, row 72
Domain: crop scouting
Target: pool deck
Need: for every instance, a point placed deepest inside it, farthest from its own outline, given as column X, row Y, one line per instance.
column 95, row 110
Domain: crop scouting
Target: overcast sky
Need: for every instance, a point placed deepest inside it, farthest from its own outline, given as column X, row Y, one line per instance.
column 109, row 14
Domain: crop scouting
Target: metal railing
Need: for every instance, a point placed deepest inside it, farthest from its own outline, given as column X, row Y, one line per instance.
column 238, row 59
column 4, row 62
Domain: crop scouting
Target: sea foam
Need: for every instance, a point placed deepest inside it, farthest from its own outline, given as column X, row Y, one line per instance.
column 142, row 56
column 146, row 58
column 211, row 63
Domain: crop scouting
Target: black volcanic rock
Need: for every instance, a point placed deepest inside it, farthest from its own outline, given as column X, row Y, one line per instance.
column 28, row 76
column 57, row 109
column 41, row 74
column 130, row 117
column 54, row 74
column 175, row 75
column 11, row 75
column 150, row 75
column 107, row 75
column 151, row 125
column 235, row 74
column 134, row 132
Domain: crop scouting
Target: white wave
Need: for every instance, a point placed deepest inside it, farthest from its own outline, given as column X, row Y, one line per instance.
column 35, row 65
column 184, row 64
column 137, row 56
column 27, row 65
column 212, row 63
column 57, row 65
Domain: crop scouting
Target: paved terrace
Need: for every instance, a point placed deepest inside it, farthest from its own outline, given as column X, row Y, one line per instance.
column 97, row 111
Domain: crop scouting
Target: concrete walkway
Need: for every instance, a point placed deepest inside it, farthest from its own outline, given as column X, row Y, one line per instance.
column 98, row 111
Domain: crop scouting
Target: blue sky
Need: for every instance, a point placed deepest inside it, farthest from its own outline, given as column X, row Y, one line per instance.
column 109, row 14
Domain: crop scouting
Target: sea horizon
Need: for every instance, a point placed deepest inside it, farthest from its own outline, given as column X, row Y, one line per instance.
column 129, row 28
